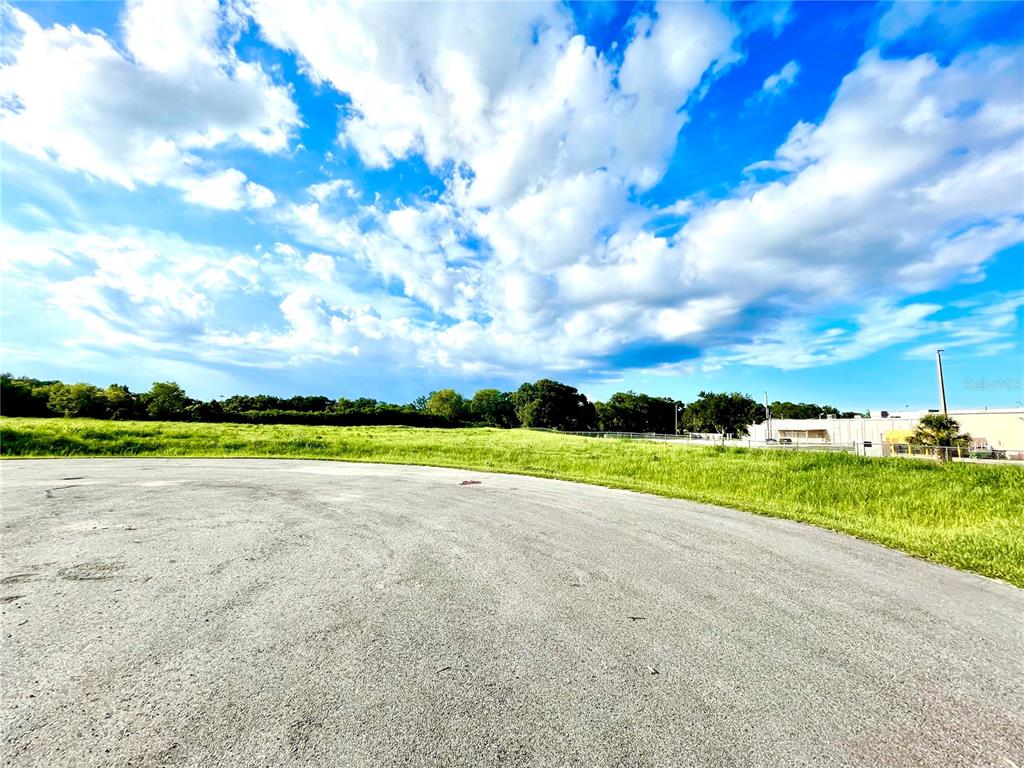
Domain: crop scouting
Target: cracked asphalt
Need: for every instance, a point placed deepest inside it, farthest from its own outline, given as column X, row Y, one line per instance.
column 284, row 613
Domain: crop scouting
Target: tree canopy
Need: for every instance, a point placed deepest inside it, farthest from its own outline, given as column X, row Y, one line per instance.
column 493, row 408
column 544, row 404
column 448, row 404
column 634, row 412
column 554, row 405
column 722, row 413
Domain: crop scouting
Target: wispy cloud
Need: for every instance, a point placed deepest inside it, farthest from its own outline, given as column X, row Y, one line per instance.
column 781, row 80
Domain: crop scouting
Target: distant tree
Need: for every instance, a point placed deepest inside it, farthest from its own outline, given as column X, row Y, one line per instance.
column 941, row 432
column 419, row 404
column 362, row 405
column 865, row 414
column 633, row 412
column 493, row 408
column 448, row 404
column 165, row 400
column 554, row 405
column 788, row 410
column 724, row 413
column 78, row 400
column 121, row 403
column 22, row 396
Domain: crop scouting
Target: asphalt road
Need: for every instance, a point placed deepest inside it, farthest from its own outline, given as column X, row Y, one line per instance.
column 278, row 613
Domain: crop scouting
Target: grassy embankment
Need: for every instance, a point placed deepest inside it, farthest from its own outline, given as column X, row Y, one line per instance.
column 967, row 516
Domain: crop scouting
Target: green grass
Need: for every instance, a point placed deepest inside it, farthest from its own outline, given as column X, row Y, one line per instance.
column 968, row 516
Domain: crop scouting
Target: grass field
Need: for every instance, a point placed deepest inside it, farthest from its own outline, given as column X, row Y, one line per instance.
column 968, row 516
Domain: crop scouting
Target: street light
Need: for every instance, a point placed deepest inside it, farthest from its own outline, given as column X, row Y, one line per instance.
column 942, row 385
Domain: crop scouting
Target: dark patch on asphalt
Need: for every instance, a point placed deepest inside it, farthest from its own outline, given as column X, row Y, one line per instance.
column 97, row 570
column 10, row 598
column 302, row 731
column 17, row 578
column 49, row 491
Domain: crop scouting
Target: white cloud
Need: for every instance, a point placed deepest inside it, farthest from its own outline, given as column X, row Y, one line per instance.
column 539, row 254
column 149, row 291
column 320, row 265
column 947, row 19
column 990, row 326
column 227, row 190
column 781, row 80
column 141, row 116
column 775, row 15
column 793, row 344
column 506, row 92
column 324, row 191
column 909, row 183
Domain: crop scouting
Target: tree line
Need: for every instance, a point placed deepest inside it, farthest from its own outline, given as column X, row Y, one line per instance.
column 540, row 404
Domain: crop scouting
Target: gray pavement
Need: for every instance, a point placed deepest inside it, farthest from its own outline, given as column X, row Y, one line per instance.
column 279, row 613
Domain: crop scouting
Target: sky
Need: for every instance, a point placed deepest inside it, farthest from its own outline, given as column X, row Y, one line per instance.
column 300, row 197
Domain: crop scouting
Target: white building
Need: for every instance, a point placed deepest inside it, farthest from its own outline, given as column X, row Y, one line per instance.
column 997, row 428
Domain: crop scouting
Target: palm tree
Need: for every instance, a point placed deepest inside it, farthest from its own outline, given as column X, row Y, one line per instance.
column 941, row 432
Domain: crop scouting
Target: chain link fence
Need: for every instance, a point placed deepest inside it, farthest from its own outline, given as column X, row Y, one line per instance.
column 728, row 440
column 876, row 449
column 948, row 453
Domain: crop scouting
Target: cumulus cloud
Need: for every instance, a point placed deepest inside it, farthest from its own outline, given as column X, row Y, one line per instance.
column 910, row 182
column 320, row 265
column 508, row 93
column 539, row 252
column 159, row 294
column 227, row 190
column 147, row 114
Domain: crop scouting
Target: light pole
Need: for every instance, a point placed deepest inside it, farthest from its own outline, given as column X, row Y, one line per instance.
column 676, row 409
column 767, row 418
column 942, row 385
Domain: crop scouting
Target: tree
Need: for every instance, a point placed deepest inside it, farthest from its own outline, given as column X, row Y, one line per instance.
column 722, row 413
column 788, row 410
column 493, row 408
column 632, row 412
column 78, row 400
column 165, row 400
column 22, row 396
column 448, row 404
column 941, row 432
column 121, row 403
column 553, row 405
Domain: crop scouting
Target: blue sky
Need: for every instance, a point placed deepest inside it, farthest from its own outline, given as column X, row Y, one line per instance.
column 382, row 200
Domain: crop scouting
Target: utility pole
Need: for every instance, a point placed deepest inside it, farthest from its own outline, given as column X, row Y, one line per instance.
column 767, row 418
column 942, row 385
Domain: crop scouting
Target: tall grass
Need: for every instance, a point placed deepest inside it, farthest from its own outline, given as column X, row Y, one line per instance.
column 968, row 516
